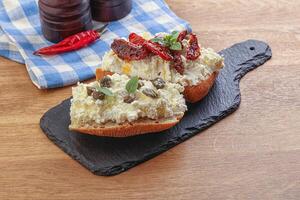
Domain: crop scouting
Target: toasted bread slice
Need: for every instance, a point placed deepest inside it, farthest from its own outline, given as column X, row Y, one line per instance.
column 117, row 115
column 197, row 92
column 139, row 127
column 192, row 93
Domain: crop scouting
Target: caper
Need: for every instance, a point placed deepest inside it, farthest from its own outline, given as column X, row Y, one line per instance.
column 150, row 93
column 106, row 82
column 129, row 99
column 90, row 90
column 140, row 84
column 98, row 95
column 159, row 83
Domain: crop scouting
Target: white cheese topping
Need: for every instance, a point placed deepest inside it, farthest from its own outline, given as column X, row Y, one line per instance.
column 153, row 67
column 149, row 68
column 86, row 110
column 199, row 69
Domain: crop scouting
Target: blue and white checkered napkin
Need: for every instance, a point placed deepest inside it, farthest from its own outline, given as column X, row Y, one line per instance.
column 20, row 36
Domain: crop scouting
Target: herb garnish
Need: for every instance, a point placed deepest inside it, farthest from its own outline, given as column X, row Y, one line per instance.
column 132, row 85
column 169, row 41
column 104, row 90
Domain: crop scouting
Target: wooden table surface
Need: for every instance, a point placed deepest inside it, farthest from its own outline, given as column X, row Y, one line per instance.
column 252, row 154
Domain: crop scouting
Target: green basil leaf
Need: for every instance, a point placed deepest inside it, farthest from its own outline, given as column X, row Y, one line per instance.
column 173, row 40
column 167, row 38
column 157, row 40
column 105, row 91
column 176, row 46
column 132, row 84
column 165, row 41
column 175, row 35
column 175, row 32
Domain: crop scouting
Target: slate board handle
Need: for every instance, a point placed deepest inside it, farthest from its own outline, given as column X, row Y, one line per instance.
column 246, row 56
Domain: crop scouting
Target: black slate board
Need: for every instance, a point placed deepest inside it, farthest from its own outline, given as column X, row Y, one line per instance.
column 111, row 156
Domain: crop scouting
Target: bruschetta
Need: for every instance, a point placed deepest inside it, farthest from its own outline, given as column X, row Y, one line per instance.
column 175, row 58
column 120, row 106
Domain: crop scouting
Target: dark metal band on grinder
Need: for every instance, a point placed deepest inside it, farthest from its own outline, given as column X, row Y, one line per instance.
column 110, row 10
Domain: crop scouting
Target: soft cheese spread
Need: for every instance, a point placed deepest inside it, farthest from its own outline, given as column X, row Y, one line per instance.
column 86, row 110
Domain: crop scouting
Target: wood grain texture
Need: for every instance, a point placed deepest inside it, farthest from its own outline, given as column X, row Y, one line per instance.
column 252, row 154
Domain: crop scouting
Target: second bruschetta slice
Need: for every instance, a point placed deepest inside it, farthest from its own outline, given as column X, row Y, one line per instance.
column 175, row 57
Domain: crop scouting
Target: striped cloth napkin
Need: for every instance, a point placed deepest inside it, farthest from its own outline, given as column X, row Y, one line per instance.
column 20, row 36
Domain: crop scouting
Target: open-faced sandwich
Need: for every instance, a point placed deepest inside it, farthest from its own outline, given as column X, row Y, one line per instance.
column 142, row 85
column 175, row 58
column 119, row 106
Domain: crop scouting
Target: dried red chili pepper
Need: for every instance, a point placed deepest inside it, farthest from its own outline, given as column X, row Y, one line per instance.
column 128, row 51
column 193, row 49
column 71, row 43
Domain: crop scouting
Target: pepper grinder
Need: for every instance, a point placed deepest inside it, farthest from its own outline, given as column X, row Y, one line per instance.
column 63, row 18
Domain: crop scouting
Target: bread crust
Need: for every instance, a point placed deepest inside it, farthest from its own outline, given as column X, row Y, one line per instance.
column 129, row 129
column 100, row 73
column 197, row 92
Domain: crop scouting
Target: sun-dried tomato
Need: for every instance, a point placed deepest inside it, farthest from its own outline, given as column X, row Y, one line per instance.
column 139, row 48
column 177, row 63
column 153, row 47
column 182, row 35
column 193, row 49
column 159, row 50
column 128, row 51
column 136, row 39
